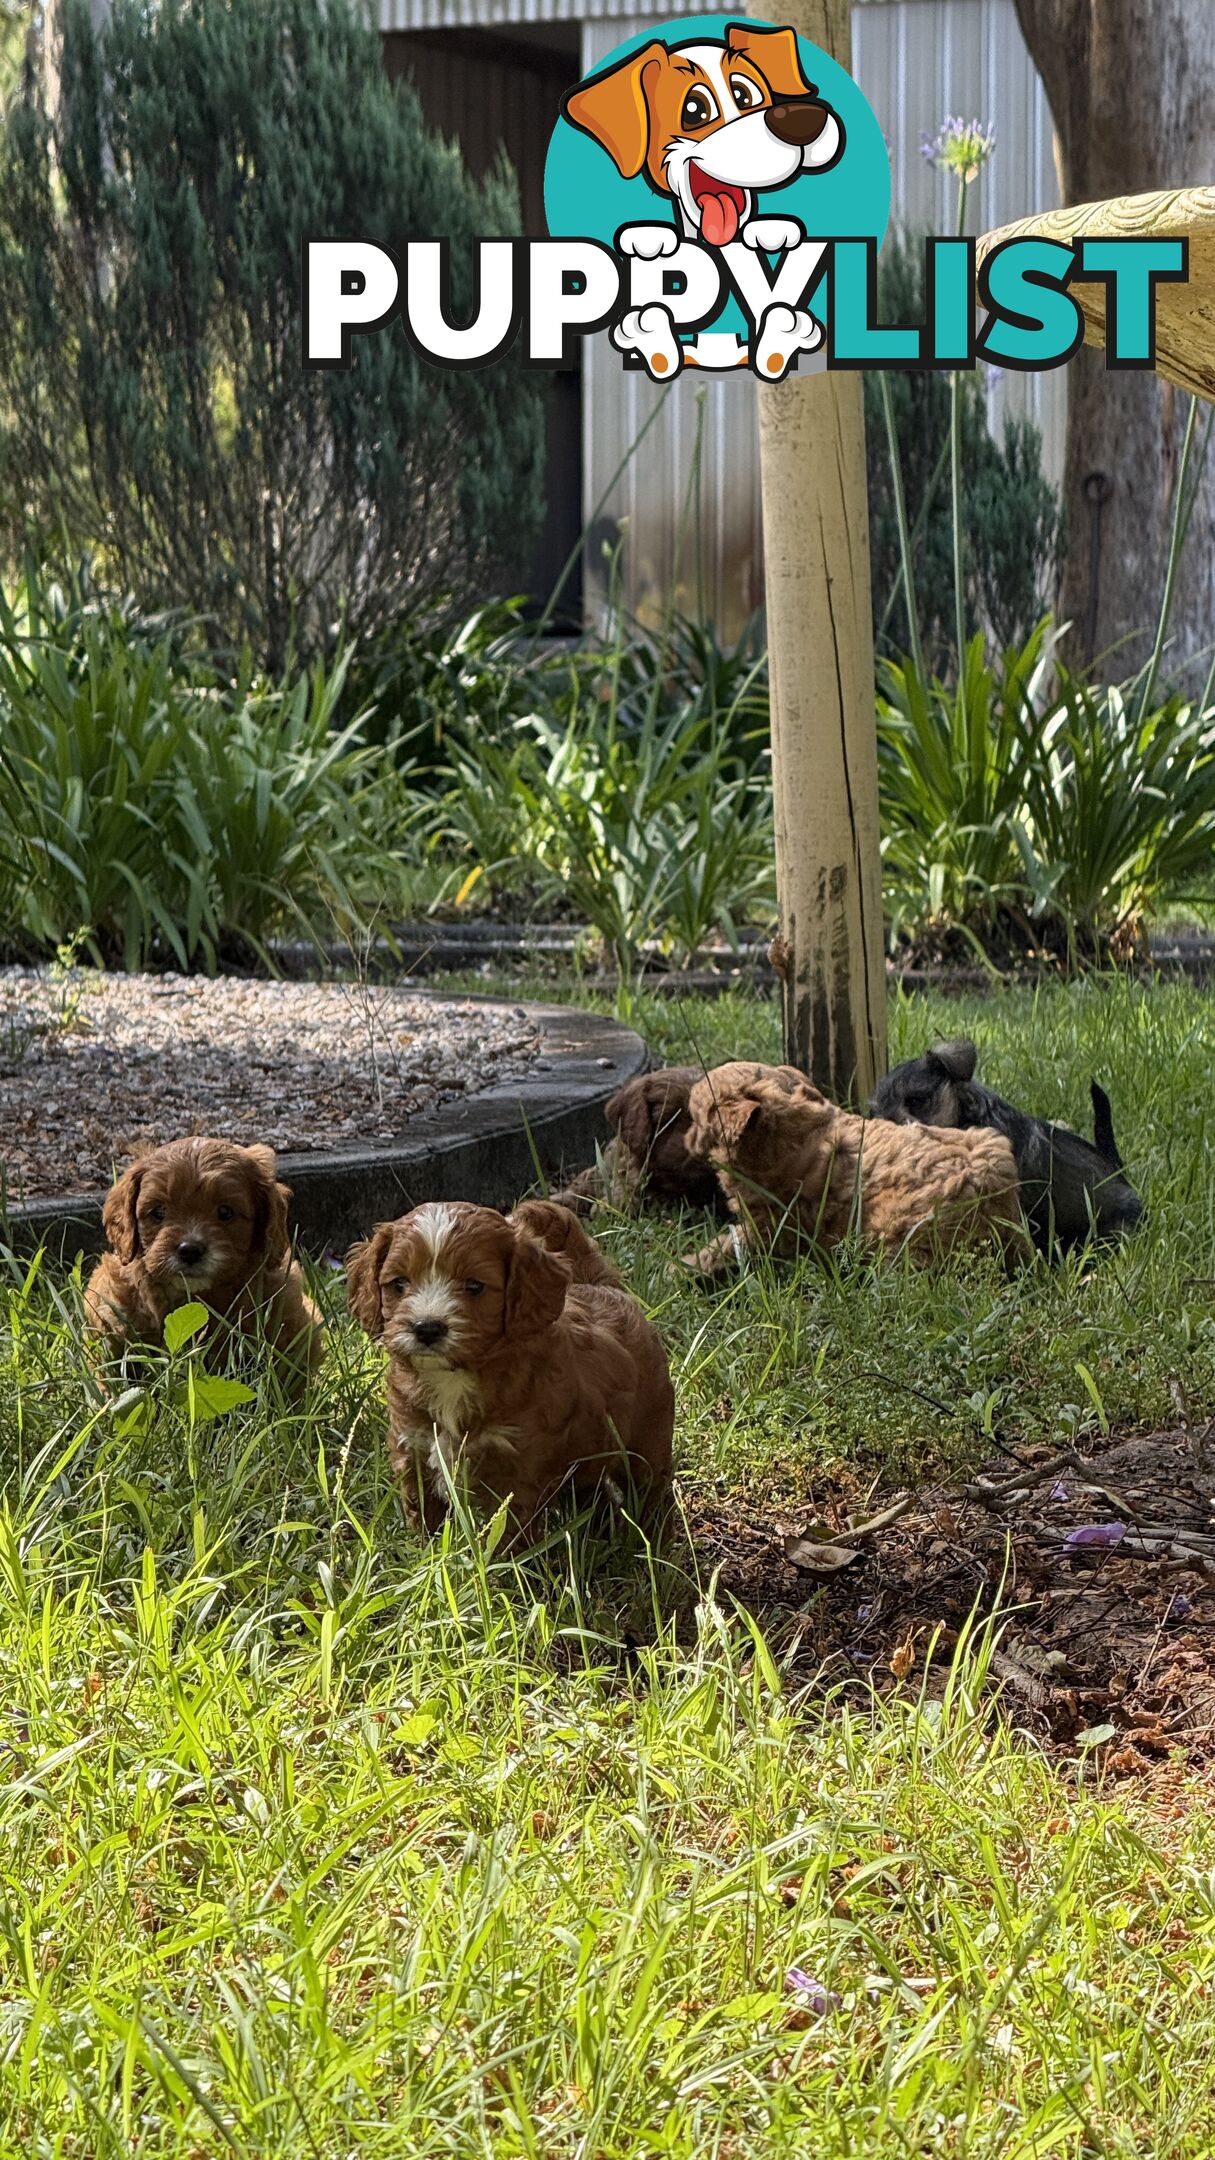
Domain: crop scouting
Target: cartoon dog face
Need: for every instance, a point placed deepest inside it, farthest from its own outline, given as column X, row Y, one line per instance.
column 710, row 123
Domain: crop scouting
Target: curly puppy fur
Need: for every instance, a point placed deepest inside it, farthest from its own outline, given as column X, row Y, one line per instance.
column 559, row 1231
column 795, row 1167
column 648, row 1163
column 505, row 1373
column 1070, row 1191
column 208, row 1220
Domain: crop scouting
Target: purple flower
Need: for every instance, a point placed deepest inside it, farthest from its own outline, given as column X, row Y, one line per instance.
column 960, row 146
column 1093, row 1533
column 813, row 1995
column 1060, row 1491
column 1180, row 1608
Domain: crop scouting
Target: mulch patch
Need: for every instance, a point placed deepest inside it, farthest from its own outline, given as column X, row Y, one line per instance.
column 1107, row 1645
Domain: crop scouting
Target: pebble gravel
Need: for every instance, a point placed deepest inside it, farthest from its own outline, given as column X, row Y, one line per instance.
column 95, row 1068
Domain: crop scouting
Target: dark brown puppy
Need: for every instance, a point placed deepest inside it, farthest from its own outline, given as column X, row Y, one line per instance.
column 504, row 1372
column 203, row 1219
column 649, row 1162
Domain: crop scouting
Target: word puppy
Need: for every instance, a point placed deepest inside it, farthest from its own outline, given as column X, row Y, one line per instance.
column 648, row 1162
column 503, row 1371
column 795, row 1167
column 203, row 1219
column 1070, row 1191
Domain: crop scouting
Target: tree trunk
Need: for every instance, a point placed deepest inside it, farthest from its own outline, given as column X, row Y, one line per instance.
column 1132, row 91
column 824, row 736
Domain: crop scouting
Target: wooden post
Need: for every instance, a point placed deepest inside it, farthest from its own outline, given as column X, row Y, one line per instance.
column 824, row 737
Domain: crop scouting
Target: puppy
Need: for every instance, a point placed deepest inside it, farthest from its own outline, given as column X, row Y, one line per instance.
column 203, row 1219
column 793, row 1164
column 504, row 1371
column 649, row 1163
column 558, row 1229
column 1070, row 1191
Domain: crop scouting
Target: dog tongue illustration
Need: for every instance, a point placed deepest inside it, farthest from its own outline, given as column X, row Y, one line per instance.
column 718, row 218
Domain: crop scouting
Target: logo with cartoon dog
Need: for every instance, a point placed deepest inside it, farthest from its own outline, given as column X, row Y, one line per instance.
column 716, row 193
column 723, row 155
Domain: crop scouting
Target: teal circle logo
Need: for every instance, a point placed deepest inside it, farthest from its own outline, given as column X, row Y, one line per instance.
column 738, row 136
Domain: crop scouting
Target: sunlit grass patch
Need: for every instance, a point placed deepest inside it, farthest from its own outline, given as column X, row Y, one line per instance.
column 316, row 1839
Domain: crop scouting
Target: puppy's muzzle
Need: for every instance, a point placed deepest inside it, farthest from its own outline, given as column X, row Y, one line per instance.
column 189, row 1253
column 428, row 1332
column 799, row 122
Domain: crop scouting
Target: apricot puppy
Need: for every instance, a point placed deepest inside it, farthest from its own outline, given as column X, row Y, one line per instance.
column 504, row 1372
column 208, row 1220
column 794, row 1166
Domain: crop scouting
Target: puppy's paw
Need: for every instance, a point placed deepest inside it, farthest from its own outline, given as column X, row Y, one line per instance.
column 773, row 235
column 647, row 241
column 724, row 1256
column 783, row 334
column 650, row 333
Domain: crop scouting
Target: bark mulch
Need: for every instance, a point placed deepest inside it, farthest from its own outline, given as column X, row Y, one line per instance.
column 1106, row 1639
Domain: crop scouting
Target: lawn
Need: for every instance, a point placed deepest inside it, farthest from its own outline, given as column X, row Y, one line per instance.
column 316, row 1841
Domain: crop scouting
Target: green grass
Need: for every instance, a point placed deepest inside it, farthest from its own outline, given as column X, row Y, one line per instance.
column 316, row 1840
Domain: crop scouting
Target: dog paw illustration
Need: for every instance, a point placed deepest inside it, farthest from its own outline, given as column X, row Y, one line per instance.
column 783, row 334
column 650, row 333
column 774, row 235
column 648, row 241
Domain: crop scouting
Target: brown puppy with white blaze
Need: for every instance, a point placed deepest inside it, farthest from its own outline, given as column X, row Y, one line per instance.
column 207, row 1220
column 503, row 1371
column 794, row 1166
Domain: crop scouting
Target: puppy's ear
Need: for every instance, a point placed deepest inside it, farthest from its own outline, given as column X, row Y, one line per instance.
column 270, row 1203
column 774, row 53
column 536, row 1283
column 631, row 1114
column 958, row 1058
column 614, row 108
column 735, row 1117
column 363, row 1264
column 118, row 1218
column 278, row 1236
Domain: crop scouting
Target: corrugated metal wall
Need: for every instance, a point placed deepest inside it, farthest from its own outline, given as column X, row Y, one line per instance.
column 916, row 60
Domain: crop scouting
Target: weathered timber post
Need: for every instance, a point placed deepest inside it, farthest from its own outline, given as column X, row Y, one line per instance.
column 824, row 741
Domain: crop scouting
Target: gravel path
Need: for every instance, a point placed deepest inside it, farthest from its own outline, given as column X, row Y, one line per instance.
column 94, row 1068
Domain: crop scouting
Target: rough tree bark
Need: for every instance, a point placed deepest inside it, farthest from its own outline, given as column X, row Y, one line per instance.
column 1132, row 91
column 824, row 740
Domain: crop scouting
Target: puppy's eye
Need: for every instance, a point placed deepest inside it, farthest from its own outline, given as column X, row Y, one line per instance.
column 399, row 1282
column 746, row 94
column 473, row 1288
column 699, row 107
column 156, row 1214
column 225, row 1214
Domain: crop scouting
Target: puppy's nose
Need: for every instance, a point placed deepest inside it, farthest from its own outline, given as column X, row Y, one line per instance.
column 799, row 122
column 189, row 1251
column 429, row 1331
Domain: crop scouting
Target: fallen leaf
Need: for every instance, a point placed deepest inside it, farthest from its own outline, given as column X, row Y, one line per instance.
column 902, row 1659
column 816, row 1557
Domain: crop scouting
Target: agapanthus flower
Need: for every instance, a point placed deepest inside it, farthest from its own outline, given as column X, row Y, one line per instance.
column 960, row 146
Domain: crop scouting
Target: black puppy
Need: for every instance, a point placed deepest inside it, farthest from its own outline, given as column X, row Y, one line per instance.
column 1069, row 1190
